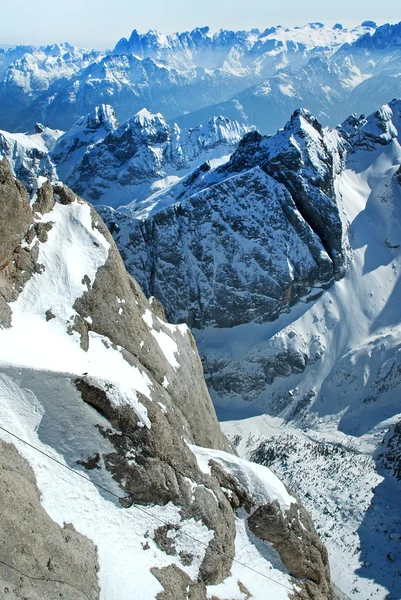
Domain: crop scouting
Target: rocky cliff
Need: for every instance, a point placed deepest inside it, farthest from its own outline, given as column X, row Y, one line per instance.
column 92, row 376
column 245, row 241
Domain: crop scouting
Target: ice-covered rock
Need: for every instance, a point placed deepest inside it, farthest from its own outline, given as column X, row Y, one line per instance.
column 28, row 154
column 169, row 73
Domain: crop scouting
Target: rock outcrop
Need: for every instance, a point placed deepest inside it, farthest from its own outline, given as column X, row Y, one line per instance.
column 116, row 165
column 38, row 558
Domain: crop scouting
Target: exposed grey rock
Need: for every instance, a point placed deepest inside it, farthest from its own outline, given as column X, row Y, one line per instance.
column 290, row 531
column 159, row 468
column 64, row 194
column 228, row 270
column 45, row 199
column 16, row 215
column 17, row 263
column 244, row 242
column 101, row 303
column 298, row 545
column 45, row 560
column 178, row 585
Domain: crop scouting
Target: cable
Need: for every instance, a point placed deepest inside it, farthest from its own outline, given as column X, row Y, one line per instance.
column 141, row 509
column 48, row 579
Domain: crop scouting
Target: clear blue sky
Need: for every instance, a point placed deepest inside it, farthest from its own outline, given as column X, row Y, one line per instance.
column 101, row 23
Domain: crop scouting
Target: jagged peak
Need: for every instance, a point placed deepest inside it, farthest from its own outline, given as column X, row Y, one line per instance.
column 371, row 24
column 102, row 116
column 303, row 124
column 144, row 117
column 381, row 127
column 381, row 37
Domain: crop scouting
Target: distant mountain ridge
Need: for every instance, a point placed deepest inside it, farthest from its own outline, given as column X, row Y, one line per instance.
column 173, row 74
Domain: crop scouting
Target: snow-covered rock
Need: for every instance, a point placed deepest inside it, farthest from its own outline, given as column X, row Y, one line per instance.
column 92, row 376
column 117, row 165
column 247, row 240
column 358, row 77
column 28, row 153
column 27, row 72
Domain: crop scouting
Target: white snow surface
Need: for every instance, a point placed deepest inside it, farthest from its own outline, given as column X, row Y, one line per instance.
column 260, row 483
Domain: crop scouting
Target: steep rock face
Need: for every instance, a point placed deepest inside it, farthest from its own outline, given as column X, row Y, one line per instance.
column 247, row 240
column 43, row 559
column 305, row 160
column 16, row 214
column 330, row 426
column 304, row 554
column 112, row 389
column 382, row 37
column 88, row 130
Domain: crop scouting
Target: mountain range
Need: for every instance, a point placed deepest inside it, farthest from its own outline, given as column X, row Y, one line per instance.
column 245, row 206
column 171, row 74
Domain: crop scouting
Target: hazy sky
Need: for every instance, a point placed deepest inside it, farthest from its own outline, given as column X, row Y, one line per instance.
column 101, row 23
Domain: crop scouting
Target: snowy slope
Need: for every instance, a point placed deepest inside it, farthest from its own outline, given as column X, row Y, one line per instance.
column 345, row 402
column 93, row 377
column 321, row 381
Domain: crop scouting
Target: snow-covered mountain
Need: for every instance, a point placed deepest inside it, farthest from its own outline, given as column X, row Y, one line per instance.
column 28, row 154
column 119, row 165
column 172, row 74
column 151, row 501
column 27, row 72
column 323, row 376
column 282, row 252
column 246, row 240
column 356, row 77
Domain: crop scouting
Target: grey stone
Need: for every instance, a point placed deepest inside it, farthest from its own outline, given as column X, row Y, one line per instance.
column 43, row 559
column 16, row 215
column 45, row 199
column 178, row 585
column 295, row 539
column 64, row 194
